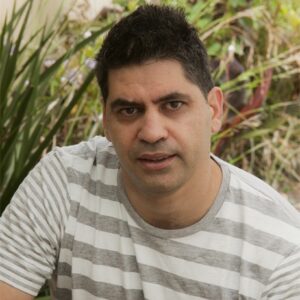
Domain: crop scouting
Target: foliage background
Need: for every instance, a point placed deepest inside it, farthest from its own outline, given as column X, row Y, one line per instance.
column 261, row 127
column 48, row 96
column 254, row 49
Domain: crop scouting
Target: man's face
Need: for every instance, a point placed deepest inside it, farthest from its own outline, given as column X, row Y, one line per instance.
column 160, row 125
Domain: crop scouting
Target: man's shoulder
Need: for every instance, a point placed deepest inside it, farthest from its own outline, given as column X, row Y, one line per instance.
column 88, row 149
column 96, row 151
column 264, row 208
column 244, row 180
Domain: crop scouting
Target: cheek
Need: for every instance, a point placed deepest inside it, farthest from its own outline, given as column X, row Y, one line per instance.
column 121, row 143
column 199, row 126
column 121, row 151
column 199, row 134
column 112, row 132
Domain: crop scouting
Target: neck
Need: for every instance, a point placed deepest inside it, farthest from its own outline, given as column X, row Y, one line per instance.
column 180, row 208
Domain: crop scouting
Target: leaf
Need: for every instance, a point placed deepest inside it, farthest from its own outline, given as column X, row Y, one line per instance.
column 214, row 49
column 27, row 127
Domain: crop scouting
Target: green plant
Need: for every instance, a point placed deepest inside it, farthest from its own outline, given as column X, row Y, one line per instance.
column 262, row 134
column 31, row 112
column 263, row 38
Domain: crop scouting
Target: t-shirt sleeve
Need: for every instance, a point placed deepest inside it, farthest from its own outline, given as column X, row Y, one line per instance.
column 32, row 226
column 284, row 282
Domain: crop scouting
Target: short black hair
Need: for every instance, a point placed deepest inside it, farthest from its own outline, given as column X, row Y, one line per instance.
column 154, row 32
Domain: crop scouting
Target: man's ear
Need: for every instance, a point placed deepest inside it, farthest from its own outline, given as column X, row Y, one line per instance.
column 215, row 101
column 104, row 120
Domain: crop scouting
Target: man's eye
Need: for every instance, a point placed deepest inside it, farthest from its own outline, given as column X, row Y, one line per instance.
column 174, row 105
column 128, row 111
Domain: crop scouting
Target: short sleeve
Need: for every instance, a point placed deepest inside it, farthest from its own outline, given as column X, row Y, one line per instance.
column 284, row 283
column 32, row 226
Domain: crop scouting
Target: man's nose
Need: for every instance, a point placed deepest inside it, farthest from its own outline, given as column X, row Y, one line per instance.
column 152, row 128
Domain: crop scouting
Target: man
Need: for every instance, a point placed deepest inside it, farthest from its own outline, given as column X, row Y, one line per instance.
column 149, row 213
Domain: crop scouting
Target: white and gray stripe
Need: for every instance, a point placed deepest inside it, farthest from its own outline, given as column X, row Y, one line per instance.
column 70, row 220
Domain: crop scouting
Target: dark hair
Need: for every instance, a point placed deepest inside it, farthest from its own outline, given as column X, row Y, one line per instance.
column 154, row 32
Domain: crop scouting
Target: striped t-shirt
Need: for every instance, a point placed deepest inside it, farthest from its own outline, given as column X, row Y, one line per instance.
column 70, row 221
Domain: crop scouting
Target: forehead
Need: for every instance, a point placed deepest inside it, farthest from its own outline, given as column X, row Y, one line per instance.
column 150, row 79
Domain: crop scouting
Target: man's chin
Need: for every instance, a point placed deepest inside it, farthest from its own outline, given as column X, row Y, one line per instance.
column 157, row 186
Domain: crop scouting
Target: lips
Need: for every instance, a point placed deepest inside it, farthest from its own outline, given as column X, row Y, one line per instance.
column 156, row 161
column 154, row 157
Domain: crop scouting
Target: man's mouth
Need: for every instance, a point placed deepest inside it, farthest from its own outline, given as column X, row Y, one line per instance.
column 156, row 161
column 155, row 156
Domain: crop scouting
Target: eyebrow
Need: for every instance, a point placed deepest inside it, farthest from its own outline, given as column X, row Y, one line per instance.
column 122, row 102
column 173, row 96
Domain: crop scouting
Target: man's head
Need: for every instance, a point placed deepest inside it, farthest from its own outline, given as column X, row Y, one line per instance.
column 160, row 103
column 154, row 32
